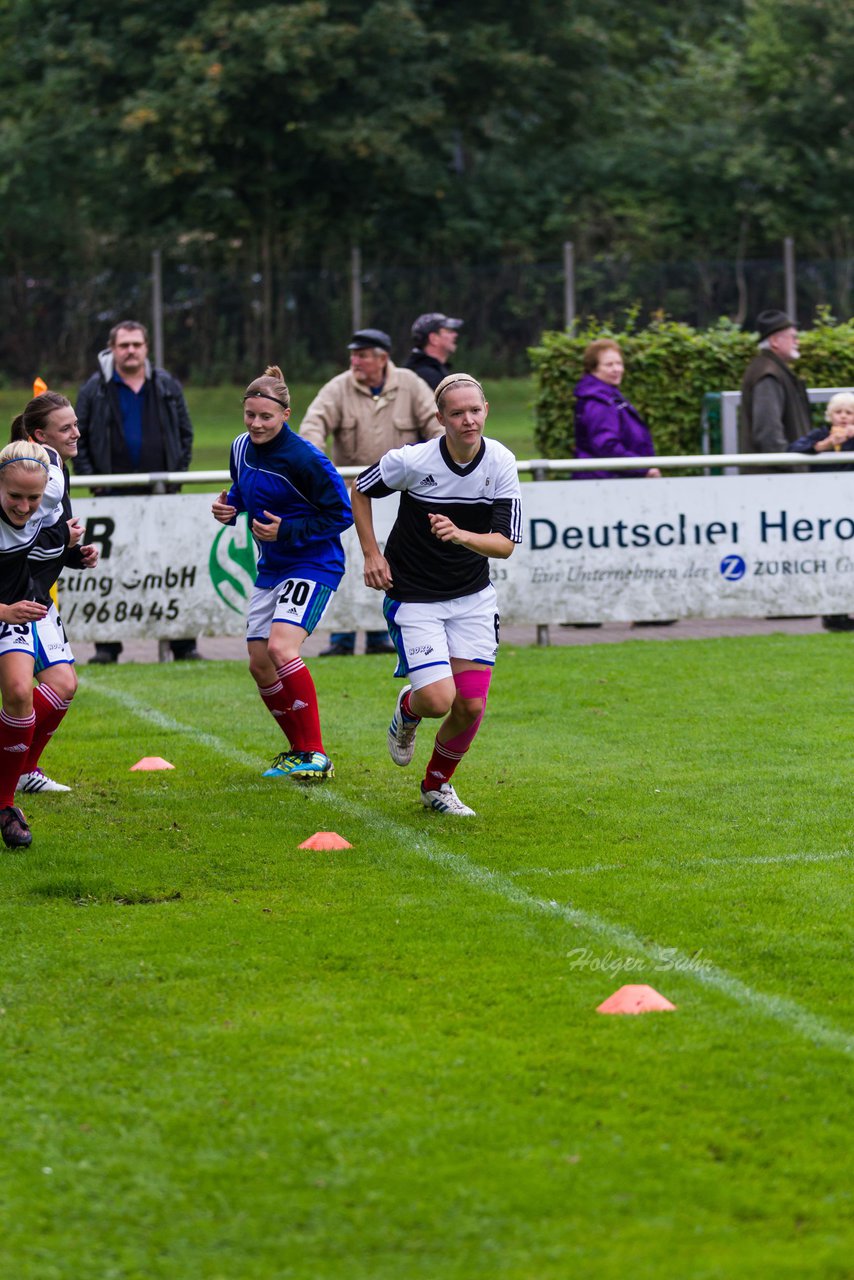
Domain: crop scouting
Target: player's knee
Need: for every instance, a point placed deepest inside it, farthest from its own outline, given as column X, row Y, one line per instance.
column 261, row 670
column 470, row 709
column 434, row 700
column 18, row 699
column 63, row 681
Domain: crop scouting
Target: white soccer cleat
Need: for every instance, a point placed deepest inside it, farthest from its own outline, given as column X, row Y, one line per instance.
column 38, row 781
column 401, row 733
column 446, row 800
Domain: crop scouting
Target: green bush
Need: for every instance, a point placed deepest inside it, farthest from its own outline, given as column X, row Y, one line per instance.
column 669, row 368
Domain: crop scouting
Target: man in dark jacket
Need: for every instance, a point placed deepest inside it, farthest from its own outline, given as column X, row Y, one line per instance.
column 132, row 417
column 775, row 408
column 434, row 341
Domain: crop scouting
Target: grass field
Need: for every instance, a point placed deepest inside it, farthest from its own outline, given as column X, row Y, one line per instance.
column 225, row 1058
column 218, row 417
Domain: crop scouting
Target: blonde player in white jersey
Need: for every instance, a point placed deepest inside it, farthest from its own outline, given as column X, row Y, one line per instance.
column 460, row 506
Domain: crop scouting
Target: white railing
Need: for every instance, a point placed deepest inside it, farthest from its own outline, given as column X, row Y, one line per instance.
column 538, row 467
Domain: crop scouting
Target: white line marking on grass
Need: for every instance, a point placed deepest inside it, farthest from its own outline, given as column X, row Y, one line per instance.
column 669, row 959
column 144, row 712
column 761, row 859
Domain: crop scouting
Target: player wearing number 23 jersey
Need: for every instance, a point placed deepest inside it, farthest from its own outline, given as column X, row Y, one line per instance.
column 297, row 506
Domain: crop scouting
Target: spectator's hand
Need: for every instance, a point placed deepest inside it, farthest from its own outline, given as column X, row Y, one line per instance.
column 835, row 438
column 443, row 529
column 23, row 611
column 90, row 554
column 653, row 474
column 221, row 510
column 377, row 572
column 75, row 532
column 267, row 532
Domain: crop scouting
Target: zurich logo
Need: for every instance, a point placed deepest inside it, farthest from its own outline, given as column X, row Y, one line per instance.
column 733, row 568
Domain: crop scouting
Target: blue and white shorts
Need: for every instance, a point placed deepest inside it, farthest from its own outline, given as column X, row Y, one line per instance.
column 427, row 636
column 301, row 602
column 52, row 645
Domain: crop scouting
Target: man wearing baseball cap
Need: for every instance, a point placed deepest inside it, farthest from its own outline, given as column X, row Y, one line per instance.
column 367, row 410
column 434, row 341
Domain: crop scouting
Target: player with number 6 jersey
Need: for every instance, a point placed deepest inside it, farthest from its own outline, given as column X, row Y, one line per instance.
column 297, row 507
column 460, row 505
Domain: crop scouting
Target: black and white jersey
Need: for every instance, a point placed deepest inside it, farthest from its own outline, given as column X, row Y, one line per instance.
column 17, row 543
column 482, row 496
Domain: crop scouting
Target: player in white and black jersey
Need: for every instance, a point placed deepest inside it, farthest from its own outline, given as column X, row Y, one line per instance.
column 30, row 498
column 51, row 420
column 460, row 505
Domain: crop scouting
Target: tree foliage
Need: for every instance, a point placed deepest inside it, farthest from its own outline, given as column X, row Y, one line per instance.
column 281, row 133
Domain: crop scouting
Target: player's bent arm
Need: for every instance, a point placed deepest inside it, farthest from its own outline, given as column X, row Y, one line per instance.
column 495, row 546
column 21, row 612
column 377, row 571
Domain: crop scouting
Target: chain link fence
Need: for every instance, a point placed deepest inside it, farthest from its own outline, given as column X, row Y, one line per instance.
column 220, row 320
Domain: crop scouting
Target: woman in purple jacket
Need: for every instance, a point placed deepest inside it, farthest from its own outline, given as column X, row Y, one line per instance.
column 606, row 425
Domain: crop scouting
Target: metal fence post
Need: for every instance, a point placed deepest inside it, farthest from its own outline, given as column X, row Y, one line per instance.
column 356, row 287
column 157, row 306
column 568, row 284
column 789, row 274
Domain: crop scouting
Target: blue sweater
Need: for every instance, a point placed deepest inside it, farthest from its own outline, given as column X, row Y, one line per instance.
column 292, row 479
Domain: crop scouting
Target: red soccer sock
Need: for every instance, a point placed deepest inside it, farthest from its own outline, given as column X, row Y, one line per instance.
column 303, row 724
column 278, row 704
column 447, row 755
column 49, row 711
column 16, row 734
column 406, row 708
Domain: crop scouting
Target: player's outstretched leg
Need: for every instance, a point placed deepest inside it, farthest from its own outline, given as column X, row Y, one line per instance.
column 444, row 799
column 402, row 730
column 301, row 766
column 455, row 736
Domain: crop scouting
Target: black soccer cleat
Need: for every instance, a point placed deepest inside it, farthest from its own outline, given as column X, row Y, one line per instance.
column 14, row 829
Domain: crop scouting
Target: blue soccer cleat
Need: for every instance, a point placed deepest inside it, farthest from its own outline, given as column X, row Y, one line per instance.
column 302, row 766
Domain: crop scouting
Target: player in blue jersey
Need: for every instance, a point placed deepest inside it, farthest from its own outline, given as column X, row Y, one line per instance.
column 297, row 506
column 460, row 506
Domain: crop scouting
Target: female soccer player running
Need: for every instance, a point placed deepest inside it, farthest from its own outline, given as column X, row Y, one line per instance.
column 460, row 505
column 30, row 497
column 298, row 507
column 51, row 421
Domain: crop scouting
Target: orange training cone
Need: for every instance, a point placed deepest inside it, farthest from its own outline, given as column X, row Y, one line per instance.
column 636, row 998
column 325, row 840
column 151, row 762
column 39, row 387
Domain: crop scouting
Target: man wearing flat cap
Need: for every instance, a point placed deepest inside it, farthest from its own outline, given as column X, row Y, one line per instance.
column 367, row 410
column 434, row 341
column 775, row 408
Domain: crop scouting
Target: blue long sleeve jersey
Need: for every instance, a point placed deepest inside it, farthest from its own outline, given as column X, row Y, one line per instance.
column 292, row 479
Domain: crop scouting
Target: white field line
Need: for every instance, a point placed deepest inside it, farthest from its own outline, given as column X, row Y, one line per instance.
column 668, row 959
column 761, row 859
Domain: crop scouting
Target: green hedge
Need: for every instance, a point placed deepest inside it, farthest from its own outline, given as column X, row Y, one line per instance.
column 669, row 368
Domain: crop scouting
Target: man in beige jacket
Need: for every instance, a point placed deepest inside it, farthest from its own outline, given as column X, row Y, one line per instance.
column 371, row 408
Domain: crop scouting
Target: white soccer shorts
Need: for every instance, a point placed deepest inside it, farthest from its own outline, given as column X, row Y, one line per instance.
column 298, row 601
column 52, row 645
column 427, row 636
column 18, row 637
